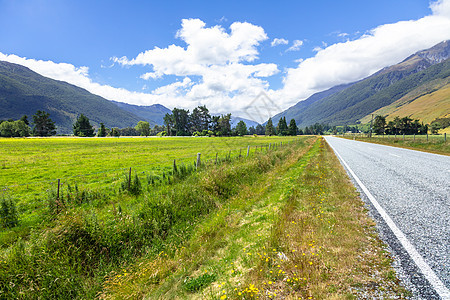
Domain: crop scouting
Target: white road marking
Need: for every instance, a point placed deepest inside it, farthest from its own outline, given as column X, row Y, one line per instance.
column 394, row 155
column 429, row 274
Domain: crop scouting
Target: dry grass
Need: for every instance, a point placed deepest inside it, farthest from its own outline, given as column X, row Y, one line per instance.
column 300, row 232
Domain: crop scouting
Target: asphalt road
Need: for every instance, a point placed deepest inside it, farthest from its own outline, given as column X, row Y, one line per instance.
column 408, row 194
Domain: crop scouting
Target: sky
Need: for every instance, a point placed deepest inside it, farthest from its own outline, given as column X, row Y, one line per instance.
column 249, row 58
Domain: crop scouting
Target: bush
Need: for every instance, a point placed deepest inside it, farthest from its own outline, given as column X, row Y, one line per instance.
column 8, row 213
column 132, row 186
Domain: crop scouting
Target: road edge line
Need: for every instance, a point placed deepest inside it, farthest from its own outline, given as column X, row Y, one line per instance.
column 429, row 274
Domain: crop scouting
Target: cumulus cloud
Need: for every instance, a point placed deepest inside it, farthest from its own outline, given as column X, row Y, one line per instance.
column 353, row 60
column 295, row 45
column 223, row 60
column 218, row 67
column 277, row 41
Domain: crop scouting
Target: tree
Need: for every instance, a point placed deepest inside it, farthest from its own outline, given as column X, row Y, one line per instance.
column 282, row 128
column 143, row 128
column 83, row 127
column 21, row 128
column 169, row 122
column 115, row 132
column 251, row 130
column 260, row 130
column 379, row 124
column 292, row 130
column 241, row 128
column 25, row 119
column 200, row 119
column 224, row 125
column 270, row 130
column 435, row 127
column 102, row 130
column 181, row 121
column 43, row 125
column 6, row 129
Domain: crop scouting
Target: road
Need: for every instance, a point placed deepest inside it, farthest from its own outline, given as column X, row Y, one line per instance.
column 408, row 194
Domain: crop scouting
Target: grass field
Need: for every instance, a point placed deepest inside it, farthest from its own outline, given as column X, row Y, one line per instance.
column 434, row 144
column 30, row 168
column 284, row 222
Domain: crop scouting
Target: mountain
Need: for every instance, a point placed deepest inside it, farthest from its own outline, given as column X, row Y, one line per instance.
column 248, row 123
column 381, row 89
column 154, row 114
column 23, row 92
column 293, row 111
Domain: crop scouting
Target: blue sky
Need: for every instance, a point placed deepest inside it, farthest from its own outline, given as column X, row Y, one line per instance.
column 224, row 54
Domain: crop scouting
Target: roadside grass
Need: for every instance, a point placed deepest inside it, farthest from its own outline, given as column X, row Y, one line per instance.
column 298, row 232
column 75, row 247
column 435, row 143
column 93, row 170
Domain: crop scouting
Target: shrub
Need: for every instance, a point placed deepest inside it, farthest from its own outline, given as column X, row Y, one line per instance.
column 8, row 213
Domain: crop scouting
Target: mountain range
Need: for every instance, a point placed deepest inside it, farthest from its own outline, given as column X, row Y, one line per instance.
column 418, row 87
column 404, row 89
column 23, row 92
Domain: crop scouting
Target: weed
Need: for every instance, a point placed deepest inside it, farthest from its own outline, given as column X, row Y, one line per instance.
column 9, row 217
column 199, row 283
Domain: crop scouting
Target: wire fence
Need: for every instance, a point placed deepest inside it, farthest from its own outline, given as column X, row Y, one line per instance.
column 438, row 138
column 32, row 200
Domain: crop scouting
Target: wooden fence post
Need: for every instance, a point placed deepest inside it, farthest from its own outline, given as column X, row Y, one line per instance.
column 198, row 161
column 427, row 136
column 445, row 137
column 248, row 150
column 174, row 166
column 129, row 179
column 216, row 157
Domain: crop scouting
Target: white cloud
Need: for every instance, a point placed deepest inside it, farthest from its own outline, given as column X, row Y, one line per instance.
column 277, row 41
column 353, row 60
column 295, row 45
column 441, row 8
column 216, row 66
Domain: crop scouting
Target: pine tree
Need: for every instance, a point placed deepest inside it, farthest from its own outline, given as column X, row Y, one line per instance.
column 83, row 127
column 102, row 130
column 270, row 130
column 292, row 128
column 43, row 125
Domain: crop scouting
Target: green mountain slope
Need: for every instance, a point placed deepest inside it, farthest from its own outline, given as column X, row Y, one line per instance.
column 23, row 92
column 379, row 90
column 294, row 111
column 154, row 114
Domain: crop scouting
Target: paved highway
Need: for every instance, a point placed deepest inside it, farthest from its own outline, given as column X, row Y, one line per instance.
column 408, row 194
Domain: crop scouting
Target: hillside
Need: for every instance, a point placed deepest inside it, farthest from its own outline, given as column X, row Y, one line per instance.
column 293, row 111
column 378, row 90
column 154, row 114
column 426, row 103
column 23, row 92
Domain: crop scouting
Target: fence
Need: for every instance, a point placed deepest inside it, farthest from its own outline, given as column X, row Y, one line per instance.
column 412, row 137
column 34, row 199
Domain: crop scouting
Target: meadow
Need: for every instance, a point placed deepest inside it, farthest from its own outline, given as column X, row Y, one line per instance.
column 284, row 221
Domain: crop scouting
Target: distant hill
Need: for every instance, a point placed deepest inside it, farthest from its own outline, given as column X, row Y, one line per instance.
column 350, row 105
column 248, row 123
column 23, row 92
column 154, row 114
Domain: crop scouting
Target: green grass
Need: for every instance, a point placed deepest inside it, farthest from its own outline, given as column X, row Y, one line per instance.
column 92, row 231
column 298, row 232
column 435, row 143
column 93, row 169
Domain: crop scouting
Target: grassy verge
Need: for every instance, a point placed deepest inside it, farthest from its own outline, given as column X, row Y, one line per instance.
column 435, row 144
column 299, row 231
column 78, row 245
